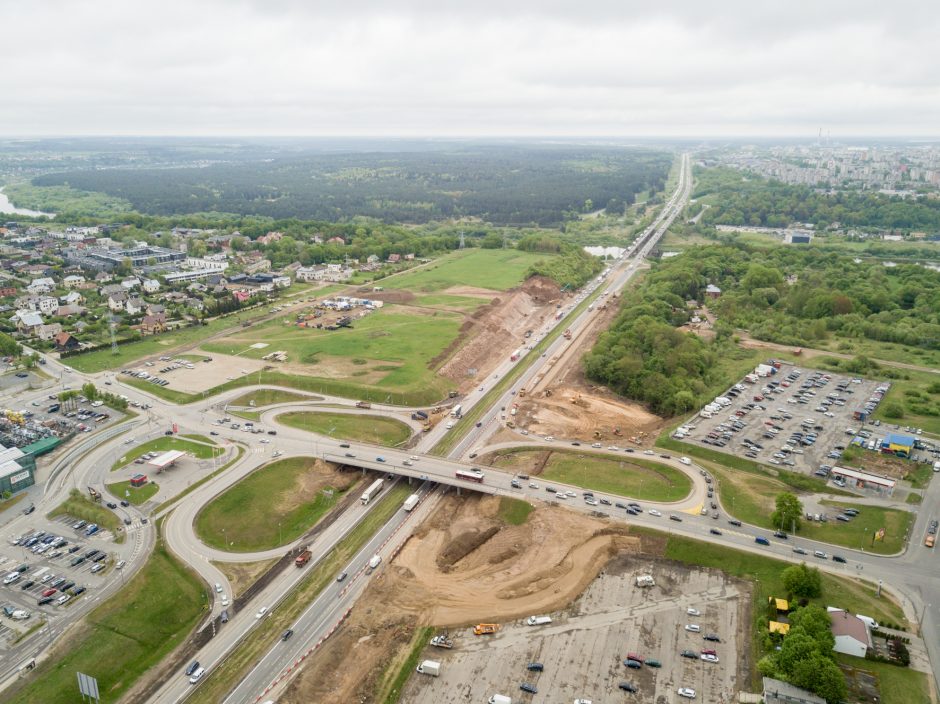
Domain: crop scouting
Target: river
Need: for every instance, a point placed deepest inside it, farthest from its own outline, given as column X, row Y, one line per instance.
column 7, row 208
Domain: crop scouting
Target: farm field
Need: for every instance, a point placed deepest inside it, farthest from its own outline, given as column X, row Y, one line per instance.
column 495, row 269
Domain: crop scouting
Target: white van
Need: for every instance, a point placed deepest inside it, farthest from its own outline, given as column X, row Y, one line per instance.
column 197, row 675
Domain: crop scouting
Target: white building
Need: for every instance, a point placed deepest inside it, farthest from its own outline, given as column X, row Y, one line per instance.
column 205, row 263
column 43, row 285
column 851, row 633
column 48, row 305
column 150, row 285
column 73, row 280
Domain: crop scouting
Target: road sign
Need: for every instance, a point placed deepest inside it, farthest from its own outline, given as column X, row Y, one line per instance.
column 88, row 686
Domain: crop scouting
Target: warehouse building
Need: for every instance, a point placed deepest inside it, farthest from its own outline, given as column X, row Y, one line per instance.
column 898, row 445
column 17, row 470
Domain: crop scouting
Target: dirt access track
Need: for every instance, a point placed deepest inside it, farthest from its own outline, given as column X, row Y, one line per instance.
column 464, row 566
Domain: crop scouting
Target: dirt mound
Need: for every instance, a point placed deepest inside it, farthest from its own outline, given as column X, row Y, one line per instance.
column 571, row 412
column 542, row 289
column 462, row 545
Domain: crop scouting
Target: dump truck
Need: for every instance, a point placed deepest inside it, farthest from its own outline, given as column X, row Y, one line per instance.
column 363, row 404
column 430, row 667
column 419, row 415
column 485, row 629
column 303, row 558
column 411, row 502
column 567, row 334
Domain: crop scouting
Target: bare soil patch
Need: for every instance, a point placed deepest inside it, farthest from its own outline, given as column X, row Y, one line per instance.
column 394, row 296
column 241, row 575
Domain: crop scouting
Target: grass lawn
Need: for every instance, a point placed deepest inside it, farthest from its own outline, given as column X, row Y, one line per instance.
column 164, row 444
column 12, row 501
column 920, row 476
column 751, row 498
column 77, row 506
column 443, row 300
column 253, row 514
column 125, row 636
column 103, row 359
column 198, row 438
column 220, row 681
column 496, row 269
column 896, row 685
column 620, row 476
column 136, row 495
column 515, row 512
column 911, row 394
column 388, row 351
column 266, row 397
column 375, row 429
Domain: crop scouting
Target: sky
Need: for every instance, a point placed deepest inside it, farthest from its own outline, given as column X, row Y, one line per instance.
column 474, row 68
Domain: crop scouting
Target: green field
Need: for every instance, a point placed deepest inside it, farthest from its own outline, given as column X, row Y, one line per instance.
column 495, row 269
column 78, row 506
column 375, row 429
column 136, row 495
column 124, row 637
column 164, row 444
column 388, row 350
column 896, row 685
column 103, row 359
column 261, row 511
column 913, row 395
column 267, row 397
column 621, row 476
column 515, row 512
column 750, row 498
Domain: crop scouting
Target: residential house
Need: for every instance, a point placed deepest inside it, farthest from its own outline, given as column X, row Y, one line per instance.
column 109, row 289
column 281, row 282
column 336, row 240
column 851, row 633
column 134, row 306
column 712, row 291
column 256, row 266
column 47, row 332
column 150, row 285
column 71, row 311
column 103, row 277
column 394, row 258
column 27, row 321
column 43, row 285
column 48, row 305
column 80, row 326
column 73, row 281
column 66, row 342
column 241, row 295
column 779, row 692
column 155, row 308
column 130, row 283
column 152, row 324
column 116, row 301
column 71, row 298
column 196, row 304
column 270, row 237
column 7, row 291
column 410, row 257
column 27, row 303
column 327, row 272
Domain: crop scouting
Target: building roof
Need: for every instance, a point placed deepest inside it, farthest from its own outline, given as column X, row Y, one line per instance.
column 166, row 459
column 781, row 604
column 846, row 624
column 779, row 691
column 898, row 439
column 711, row 288
column 42, row 446
column 777, row 627
column 864, row 476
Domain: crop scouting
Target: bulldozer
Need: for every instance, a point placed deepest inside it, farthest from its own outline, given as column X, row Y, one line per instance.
column 95, row 494
column 617, row 431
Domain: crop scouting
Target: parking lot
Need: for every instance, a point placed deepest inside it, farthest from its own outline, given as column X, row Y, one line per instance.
column 582, row 651
column 797, row 419
column 56, row 565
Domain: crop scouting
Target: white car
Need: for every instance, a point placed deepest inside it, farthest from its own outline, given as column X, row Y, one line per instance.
column 261, row 612
column 570, row 493
column 561, row 495
column 693, row 628
column 414, row 458
column 686, row 692
column 120, row 565
column 708, row 657
column 693, row 612
column 533, row 485
column 218, row 588
column 264, row 441
column 224, row 600
column 654, row 512
column 647, row 452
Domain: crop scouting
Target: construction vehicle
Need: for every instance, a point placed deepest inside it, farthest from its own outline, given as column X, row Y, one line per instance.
column 442, row 641
column 95, row 494
column 303, row 558
column 617, row 432
column 363, row 404
column 485, row 629
column 567, row 334
column 522, row 393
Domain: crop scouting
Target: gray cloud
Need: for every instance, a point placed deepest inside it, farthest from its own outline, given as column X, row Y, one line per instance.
column 415, row 67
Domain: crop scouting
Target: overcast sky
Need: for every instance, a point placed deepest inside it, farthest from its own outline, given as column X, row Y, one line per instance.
column 480, row 67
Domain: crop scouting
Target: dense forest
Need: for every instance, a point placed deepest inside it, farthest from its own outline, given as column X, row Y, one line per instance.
column 502, row 184
column 790, row 295
column 750, row 200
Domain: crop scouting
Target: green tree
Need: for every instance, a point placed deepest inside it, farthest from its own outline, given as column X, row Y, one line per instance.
column 89, row 391
column 788, row 513
column 894, row 410
column 196, row 248
column 802, row 581
column 815, row 622
column 491, row 241
column 819, row 674
column 796, row 648
column 8, row 346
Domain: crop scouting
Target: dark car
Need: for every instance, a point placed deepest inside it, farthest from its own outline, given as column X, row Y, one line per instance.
column 838, row 558
column 213, row 432
column 530, row 688
column 627, row 687
column 111, row 504
column 344, row 444
column 272, row 432
column 26, row 585
column 715, row 531
column 633, row 664
column 287, row 634
column 712, row 637
column 689, row 654
column 379, row 459
column 223, row 617
column 576, row 444
column 674, row 517
column 535, row 667
column 734, row 522
column 780, row 534
column 29, row 509
column 125, row 503
column 799, row 551
column 65, row 587
column 75, row 548
column 653, row 663
column 194, row 665
column 45, row 600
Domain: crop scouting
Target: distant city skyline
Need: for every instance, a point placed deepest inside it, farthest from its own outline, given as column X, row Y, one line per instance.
column 422, row 68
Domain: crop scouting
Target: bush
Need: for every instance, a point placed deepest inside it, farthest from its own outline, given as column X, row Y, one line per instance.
column 894, row 410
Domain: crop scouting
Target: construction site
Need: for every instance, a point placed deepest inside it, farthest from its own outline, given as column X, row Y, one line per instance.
column 466, row 568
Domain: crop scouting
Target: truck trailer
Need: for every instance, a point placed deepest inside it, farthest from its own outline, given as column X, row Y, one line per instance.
column 411, row 502
column 371, row 492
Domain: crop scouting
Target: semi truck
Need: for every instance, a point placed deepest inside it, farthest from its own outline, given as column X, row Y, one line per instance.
column 371, row 492
column 456, row 411
column 515, row 355
column 430, row 667
column 303, row 558
column 363, row 404
column 411, row 502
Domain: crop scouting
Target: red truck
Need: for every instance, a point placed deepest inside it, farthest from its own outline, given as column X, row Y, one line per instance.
column 303, row 558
